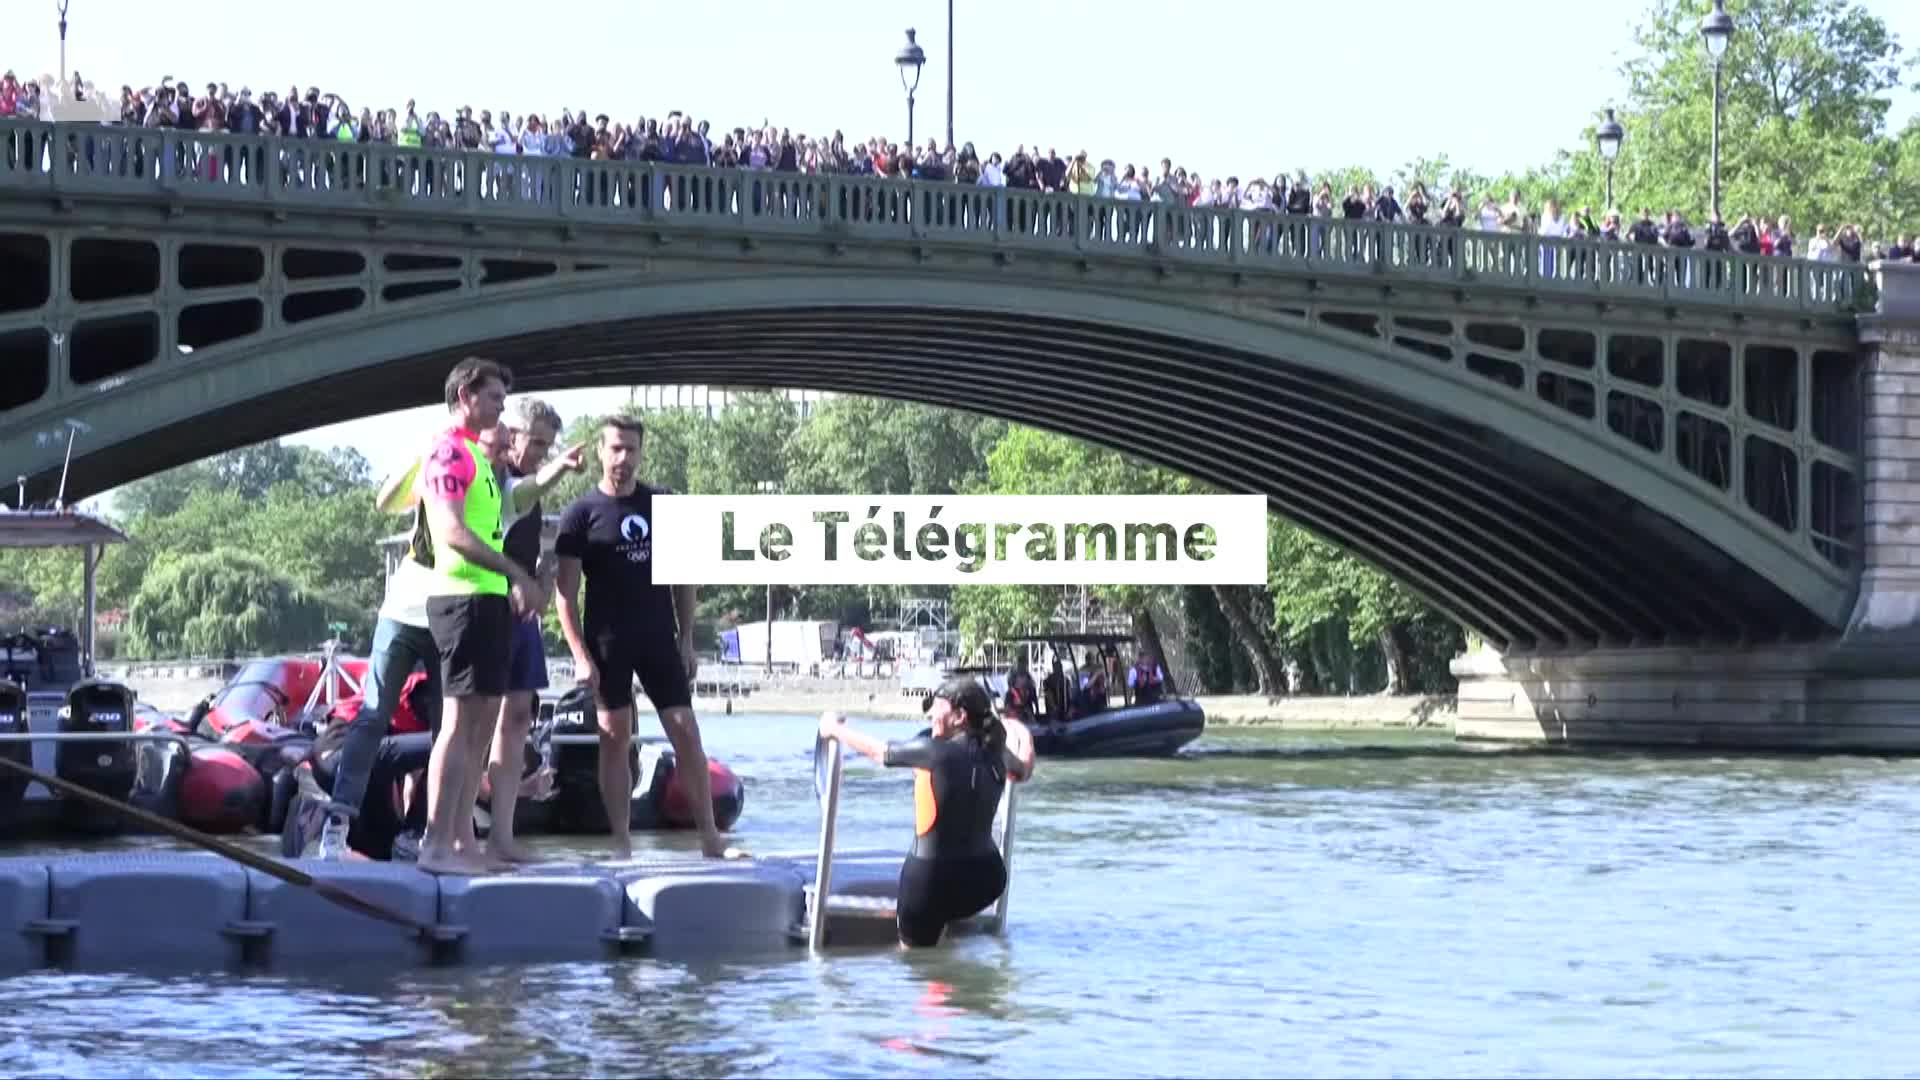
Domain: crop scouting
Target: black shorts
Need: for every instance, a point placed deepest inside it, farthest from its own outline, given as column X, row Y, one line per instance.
column 620, row 654
column 474, row 635
column 935, row 892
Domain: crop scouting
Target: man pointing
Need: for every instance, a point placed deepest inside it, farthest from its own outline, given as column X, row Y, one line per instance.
column 632, row 627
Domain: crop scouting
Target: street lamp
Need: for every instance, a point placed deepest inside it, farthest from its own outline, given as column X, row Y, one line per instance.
column 63, row 42
column 1717, row 30
column 1608, row 136
column 949, row 73
column 910, row 57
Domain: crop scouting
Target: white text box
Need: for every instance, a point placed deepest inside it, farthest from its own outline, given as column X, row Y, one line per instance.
column 960, row 540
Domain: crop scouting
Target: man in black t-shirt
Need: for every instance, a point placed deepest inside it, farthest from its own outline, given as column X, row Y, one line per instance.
column 632, row 627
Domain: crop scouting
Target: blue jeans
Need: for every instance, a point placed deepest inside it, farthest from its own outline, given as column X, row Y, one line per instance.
column 397, row 650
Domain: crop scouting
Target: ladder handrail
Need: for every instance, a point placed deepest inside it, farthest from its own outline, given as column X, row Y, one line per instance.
column 999, row 922
column 823, row 867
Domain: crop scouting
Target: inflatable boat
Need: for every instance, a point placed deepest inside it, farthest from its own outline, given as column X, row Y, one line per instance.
column 229, row 766
column 1071, row 709
column 1155, row 730
column 270, row 714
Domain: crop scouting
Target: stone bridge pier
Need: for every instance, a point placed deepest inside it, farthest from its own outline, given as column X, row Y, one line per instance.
column 1856, row 689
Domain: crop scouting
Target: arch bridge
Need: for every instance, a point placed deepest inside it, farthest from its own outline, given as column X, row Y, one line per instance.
column 1566, row 445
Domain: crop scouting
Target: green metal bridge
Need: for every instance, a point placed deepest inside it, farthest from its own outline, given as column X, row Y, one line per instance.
column 1565, row 444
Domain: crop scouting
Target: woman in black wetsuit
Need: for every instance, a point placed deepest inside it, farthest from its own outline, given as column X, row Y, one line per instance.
column 960, row 765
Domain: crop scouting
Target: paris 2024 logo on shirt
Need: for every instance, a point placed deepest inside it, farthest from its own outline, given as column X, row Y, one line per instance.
column 638, row 538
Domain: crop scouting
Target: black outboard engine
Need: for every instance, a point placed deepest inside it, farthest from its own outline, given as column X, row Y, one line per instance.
column 19, row 660
column 60, row 659
column 13, row 721
column 577, row 806
column 108, row 767
column 576, row 768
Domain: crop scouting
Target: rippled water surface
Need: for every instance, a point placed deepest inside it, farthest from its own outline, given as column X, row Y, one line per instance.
column 1265, row 905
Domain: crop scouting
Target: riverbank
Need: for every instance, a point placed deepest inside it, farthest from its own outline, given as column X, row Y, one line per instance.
column 1371, row 712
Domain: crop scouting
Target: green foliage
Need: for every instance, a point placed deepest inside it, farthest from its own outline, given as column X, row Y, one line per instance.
column 47, row 581
column 223, row 602
column 1805, row 94
column 995, row 612
column 1313, row 584
column 743, row 449
column 879, row 446
column 304, row 516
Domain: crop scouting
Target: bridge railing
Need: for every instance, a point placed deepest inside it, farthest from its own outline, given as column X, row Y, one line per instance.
column 108, row 160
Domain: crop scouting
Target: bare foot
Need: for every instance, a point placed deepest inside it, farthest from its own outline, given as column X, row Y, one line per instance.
column 621, row 853
column 511, row 851
column 714, row 847
column 482, row 856
column 442, row 861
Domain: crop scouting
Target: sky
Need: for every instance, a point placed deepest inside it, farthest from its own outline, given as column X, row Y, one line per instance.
column 1247, row 89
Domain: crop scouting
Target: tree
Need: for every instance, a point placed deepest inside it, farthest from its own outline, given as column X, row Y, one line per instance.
column 996, row 612
column 744, row 447
column 862, row 445
column 162, row 493
column 328, row 544
column 1805, row 99
column 223, row 602
column 1317, row 590
column 1032, row 462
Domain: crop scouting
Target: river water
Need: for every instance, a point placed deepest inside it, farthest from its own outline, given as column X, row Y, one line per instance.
column 1264, row 905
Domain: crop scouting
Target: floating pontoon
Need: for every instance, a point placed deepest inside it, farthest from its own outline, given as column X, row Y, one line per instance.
column 173, row 910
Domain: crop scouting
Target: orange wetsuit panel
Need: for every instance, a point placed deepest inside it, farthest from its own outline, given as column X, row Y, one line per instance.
column 925, row 809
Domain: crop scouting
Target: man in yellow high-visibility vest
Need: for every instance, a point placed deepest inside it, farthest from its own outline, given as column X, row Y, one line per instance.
column 475, row 594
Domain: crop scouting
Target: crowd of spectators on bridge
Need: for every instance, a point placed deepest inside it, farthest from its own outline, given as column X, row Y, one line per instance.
column 678, row 138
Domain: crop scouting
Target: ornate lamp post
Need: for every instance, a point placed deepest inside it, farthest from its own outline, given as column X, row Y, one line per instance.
column 1717, row 30
column 63, row 41
column 949, row 73
column 913, row 56
column 1609, row 135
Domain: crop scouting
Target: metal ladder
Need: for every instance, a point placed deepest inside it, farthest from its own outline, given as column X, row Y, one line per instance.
column 822, row 904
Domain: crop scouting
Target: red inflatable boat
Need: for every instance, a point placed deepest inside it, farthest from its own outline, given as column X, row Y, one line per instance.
column 268, row 714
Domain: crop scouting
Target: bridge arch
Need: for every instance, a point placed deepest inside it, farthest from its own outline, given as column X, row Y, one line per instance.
column 1535, row 536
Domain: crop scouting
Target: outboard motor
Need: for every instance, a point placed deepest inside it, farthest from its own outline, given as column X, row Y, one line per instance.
column 13, row 721
column 19, row 660
column 95, row 706
column 60, row 659
column 577, row 806
column 576, row 769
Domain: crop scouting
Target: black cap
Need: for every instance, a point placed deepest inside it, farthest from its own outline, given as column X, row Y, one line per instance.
column 967, row 695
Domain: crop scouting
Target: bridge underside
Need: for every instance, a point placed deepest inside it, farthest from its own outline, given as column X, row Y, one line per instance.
column 1521, row 548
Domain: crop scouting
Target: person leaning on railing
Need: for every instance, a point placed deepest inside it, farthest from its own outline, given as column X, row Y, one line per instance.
column 172, row 105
